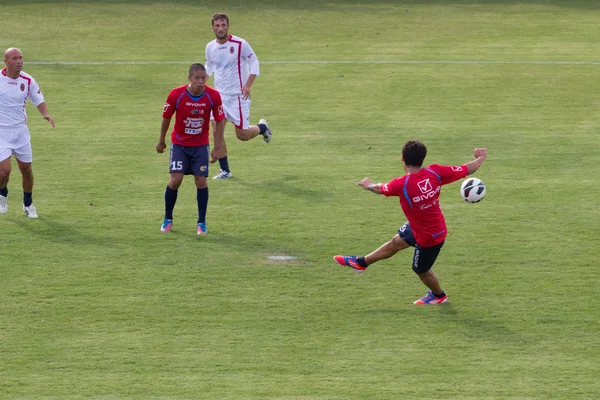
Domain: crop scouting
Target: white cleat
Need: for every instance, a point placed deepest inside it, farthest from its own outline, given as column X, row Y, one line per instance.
column 30, row 211
column 3, row 204
column 223, row 175
column 268, row 134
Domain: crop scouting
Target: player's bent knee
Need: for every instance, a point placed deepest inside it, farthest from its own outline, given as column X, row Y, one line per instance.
column 242, row 135
column 399, row 244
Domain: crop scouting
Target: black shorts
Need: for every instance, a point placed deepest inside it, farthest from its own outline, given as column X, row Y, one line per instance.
column 423, row 257
column 189, row 160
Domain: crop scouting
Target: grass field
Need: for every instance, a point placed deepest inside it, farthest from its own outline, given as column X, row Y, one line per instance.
column 96, row 303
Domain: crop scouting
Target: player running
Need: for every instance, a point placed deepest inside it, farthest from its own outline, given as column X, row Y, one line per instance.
column 235, row 66
column 419, row 192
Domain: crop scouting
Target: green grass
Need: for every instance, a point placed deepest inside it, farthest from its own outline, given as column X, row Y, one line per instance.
column 96, row 303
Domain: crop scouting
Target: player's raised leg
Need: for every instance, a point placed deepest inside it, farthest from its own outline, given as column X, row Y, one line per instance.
column 239, row 114
column 264, row 130
column 387, row 250
column 356, row 263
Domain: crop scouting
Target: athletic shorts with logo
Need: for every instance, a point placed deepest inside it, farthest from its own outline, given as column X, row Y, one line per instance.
column 237, row 110
column 423, row 257
column 189, row 160
column 17, row 142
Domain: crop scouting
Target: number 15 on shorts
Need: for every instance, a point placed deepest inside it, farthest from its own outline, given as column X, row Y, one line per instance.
column 176, row 165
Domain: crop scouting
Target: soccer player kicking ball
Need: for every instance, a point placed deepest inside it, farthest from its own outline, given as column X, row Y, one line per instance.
column 192, row 105
column 419, row 192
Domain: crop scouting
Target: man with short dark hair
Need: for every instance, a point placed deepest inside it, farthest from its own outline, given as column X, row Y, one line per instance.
column 235, row 67
column 419, row 192
column 16, row 87
column 192, row 105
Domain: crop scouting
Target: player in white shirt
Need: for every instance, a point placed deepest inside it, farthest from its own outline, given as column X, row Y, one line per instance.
column 235, row 66
column 15, row 88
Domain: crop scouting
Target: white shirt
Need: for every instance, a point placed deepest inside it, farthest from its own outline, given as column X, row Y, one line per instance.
column 13, row 96
column 231, row 62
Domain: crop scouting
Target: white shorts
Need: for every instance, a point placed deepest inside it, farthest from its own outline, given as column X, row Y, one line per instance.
column 17, row 142
column 237, row 110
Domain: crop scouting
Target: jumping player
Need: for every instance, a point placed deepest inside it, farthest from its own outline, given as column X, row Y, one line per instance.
column 192, row 105
column 235, row 66
column 419, row 192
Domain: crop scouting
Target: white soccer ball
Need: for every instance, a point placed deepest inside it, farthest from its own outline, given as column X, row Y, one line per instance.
column 472, row 190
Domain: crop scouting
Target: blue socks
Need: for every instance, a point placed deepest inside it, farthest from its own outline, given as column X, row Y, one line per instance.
column 27, row 200
column 170, row 200
column 202, row 199
column 4, row 191
column 224, row 164
column 263, row 128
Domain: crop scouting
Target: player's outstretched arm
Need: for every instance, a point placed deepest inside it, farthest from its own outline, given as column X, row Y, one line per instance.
column 164, row 127
column 43, row 109
column 480, row 156
column 367, row 184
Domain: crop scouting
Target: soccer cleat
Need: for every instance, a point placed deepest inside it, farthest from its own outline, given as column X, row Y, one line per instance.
column 166, row 225
column 3, row 204
column 268, row 134
column 202, row 228
column 350, row 261
column 430, row 298
column 223, row 175
column 30, row 211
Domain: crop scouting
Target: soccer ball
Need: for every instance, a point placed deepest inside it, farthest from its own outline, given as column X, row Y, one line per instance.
column 472, row 190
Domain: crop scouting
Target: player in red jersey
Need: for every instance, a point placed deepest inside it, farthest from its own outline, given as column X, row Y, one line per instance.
column 192, row 105
column 419, row 192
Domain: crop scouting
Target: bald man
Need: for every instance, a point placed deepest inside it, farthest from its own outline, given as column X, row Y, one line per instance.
column 15, row 88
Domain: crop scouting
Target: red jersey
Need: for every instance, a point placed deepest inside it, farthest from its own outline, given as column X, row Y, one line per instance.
column 192, row 120
column 420, row 200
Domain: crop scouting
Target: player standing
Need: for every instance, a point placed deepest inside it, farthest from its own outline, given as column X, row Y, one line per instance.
column 15, row 88
column 419, row 192
column 192, row 105
column 235, row 66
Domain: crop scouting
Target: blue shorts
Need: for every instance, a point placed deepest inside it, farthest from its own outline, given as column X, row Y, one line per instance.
column 423, row 257
column 406, row 234
column 189, row 160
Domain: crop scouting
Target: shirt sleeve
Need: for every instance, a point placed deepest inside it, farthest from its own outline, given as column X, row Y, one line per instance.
column 217, row 108
column 394, row 187
column 449, row 174
column 35, row 94
column 250, row 58
column 208, row 64
column 169, row 109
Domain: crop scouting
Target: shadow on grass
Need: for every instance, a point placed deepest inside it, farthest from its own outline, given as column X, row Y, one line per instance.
column 53, row 231
column 284, row 185
column 479, row 328
column 445, row 317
